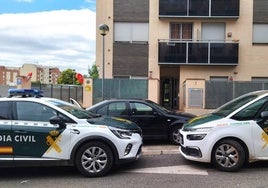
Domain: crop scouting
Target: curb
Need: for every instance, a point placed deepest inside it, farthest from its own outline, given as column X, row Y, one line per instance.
column 160, row 149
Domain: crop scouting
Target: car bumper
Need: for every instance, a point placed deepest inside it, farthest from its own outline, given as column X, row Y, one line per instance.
column 130, row 149
column 131, row 159
column 195, row 150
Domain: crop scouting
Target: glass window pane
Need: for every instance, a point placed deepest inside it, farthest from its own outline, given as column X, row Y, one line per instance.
column 260, row 33
column 181, row 30
column 118, row 108
column 122, row 31
column 198, row 7
column 250, row 112
column 186, row 31
column 103, row 110
column 173, row 7
column 128, row 32
column 259, row 79
column 224, row 7
column 219, row 78
column 175, row 31
column 4, row 110
column 140, row 32
column 30, row 111
column 141, row 109
column 213, row 31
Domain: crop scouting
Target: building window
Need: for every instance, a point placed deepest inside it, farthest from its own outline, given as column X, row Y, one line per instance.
column 219, row 78
column 8, row 75
column 260, row 33
column 213, row 31
column 181, row 31
column 131, row 32
column 259, row 79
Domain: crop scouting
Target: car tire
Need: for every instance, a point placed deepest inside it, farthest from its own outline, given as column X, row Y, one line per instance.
column 228, row 155
column 174, row 135
column 94, row 159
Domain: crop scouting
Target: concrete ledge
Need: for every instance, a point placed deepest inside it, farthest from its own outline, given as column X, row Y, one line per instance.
column 160, row 149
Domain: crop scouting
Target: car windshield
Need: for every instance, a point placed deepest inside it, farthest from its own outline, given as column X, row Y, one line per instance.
column 80, row 113
column 233, row 105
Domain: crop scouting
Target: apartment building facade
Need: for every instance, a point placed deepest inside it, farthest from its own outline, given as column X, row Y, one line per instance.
column 42, row 74
column 179, row 44
column 8, row 75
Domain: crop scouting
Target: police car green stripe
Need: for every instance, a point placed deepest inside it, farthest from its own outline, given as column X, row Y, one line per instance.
column 36, row 130
column 231, row 135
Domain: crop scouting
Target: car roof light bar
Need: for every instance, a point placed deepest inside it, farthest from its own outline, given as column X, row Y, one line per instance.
column 25, row 92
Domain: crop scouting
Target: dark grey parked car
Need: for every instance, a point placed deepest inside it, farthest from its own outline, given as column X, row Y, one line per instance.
column 156, row 122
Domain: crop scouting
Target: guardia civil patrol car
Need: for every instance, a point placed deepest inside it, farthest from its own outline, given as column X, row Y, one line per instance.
column 36, row 130
column 234, row 134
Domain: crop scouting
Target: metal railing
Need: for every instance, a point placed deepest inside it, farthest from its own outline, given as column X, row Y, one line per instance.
column 198, row 52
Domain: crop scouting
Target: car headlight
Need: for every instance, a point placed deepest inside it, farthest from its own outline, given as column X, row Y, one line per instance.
column 195, row 136
column 121, row 133
column 200, row 129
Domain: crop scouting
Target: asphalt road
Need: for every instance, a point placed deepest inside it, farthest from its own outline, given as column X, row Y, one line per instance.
column 160, row 166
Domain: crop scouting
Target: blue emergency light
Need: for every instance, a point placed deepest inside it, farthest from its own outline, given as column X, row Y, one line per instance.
column 25, row 92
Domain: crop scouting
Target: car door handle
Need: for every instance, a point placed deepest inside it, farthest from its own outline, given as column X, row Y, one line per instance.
column 75, row 131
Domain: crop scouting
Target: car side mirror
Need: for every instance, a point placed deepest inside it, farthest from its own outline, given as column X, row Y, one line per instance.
column 57, row 120
column 264, row 115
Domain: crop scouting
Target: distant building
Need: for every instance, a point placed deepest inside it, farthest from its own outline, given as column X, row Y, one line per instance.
column 8, row 75
column 54, row 74
column 42, row 74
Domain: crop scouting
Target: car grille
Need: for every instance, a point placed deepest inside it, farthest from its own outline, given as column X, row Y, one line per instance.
column 191, row 151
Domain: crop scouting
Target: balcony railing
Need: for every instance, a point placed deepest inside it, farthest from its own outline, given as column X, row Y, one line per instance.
column 198, row 52
column 199, row 8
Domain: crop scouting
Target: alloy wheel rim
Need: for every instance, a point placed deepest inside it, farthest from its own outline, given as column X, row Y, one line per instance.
column 176, row 136
column 94, row 159
column 226, row 155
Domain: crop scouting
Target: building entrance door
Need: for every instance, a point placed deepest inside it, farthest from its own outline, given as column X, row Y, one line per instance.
column 169, row 93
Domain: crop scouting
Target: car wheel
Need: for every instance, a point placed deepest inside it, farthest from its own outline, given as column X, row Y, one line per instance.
column 94, row 159
column 228, row 155
column 174, row 135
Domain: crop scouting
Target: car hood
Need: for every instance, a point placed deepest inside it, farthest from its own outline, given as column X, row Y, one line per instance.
column 114, row 122
column 181, row 114
column 201, row 120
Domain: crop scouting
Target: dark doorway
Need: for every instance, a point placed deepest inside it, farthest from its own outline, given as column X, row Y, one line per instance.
column 169, row 93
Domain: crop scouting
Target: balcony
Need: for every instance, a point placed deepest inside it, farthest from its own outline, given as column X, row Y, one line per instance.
column 199, row 9
column 197, row 52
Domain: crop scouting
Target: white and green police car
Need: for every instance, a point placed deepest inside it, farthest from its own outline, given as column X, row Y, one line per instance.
column 45, row 131
column 234, row 134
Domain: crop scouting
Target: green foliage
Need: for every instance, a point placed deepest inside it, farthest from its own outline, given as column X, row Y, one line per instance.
column 93, row 71
column 67, row 77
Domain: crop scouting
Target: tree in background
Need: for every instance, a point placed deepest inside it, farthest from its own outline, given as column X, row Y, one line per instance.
column 67, row 77
column 93, row 71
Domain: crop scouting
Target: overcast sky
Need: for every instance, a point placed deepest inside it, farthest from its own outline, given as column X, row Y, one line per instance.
column 57, row 33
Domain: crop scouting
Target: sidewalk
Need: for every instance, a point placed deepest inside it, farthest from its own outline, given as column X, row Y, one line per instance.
column 160, row 149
